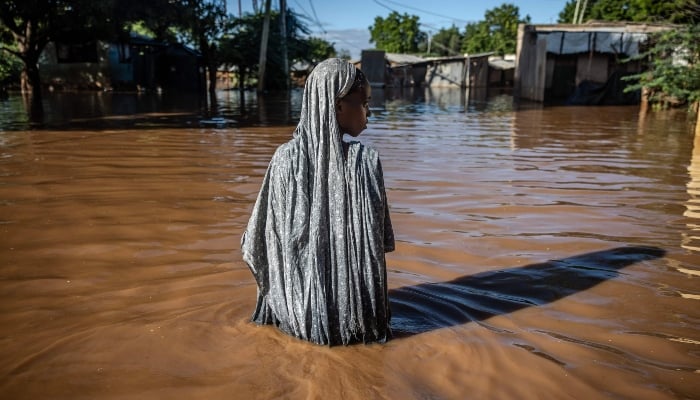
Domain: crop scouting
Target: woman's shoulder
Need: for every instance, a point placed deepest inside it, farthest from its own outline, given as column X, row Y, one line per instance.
column 365, row 152
column 286, row 151
column 365, row 156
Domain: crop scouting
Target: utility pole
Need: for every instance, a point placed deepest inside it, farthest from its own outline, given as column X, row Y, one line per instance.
column 578, row 4
column 263, row 47
column 579, row 11
column 583, row 11
column 283, row 32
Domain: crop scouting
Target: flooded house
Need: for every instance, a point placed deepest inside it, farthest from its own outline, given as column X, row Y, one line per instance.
column 580, row 64
column 392, row 69
column 463, row 71
column 138, row 63
column 477, row 75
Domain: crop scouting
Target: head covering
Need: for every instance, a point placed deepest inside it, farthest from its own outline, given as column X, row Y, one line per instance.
column 302, row 244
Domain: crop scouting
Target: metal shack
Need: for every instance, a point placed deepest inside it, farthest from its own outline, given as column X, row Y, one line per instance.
column 392, row 69
column 468, row 70
column 579, row 64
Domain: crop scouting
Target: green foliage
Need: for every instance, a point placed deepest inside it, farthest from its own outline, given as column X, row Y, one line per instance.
column 397, row 33
column 674, row 11
column 446, row 42
column 26, row 26
column 319, row 50
column 566, row 15
column 203, row 23
column 498, row 32
column 10, row 69
column 674, row 71
column 242, row 46
column 160, row 19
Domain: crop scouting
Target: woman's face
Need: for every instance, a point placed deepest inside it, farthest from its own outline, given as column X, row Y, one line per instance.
column 353, row 111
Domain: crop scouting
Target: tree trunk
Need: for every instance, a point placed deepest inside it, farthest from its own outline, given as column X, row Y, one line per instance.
column 31, row 87
column 212, row 84
column 241, row 80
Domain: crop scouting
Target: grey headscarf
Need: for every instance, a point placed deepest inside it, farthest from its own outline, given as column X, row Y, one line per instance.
column 318, row 274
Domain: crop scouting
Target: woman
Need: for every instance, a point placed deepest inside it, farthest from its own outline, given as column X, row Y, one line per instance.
column 320, row 227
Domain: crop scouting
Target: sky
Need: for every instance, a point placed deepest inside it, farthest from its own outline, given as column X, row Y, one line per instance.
column 345, row 23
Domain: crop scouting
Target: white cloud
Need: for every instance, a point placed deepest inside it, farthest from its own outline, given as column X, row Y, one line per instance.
column 353, row 40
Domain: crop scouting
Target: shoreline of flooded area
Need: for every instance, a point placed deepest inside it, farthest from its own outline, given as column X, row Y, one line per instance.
column 541, row 253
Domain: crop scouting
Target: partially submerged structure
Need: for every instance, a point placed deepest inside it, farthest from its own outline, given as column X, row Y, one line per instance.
column 579, row 64
column 136, row 63
column 463, row 71
column 391, row 69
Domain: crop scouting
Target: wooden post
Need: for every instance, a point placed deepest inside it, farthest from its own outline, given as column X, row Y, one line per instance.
column 643, row 110
column 697, row 120
column 263, row 47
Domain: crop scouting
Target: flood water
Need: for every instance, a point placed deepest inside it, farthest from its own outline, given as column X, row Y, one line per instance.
column 542, row 253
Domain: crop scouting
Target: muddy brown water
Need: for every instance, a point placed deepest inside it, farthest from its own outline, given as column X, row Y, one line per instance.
column 542, row 253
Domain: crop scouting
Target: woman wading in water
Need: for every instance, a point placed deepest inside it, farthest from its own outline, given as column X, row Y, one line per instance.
column 320, row 227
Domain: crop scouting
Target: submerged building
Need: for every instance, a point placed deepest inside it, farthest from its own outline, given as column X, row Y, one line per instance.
column 580, row 64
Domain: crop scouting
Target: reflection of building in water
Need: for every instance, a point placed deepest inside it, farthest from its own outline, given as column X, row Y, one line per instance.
column 691, row 238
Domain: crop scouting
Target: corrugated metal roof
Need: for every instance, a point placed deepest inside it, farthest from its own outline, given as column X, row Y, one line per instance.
column 462, row 57
column 396, row 58
column 604, row 26
column 501, row 64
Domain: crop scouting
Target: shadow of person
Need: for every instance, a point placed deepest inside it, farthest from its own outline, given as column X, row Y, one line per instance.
column 430, row 306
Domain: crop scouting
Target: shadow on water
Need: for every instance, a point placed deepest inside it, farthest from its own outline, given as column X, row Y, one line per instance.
column 431, row 306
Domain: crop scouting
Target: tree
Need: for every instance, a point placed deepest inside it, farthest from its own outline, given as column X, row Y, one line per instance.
column 33, row 23
column 566, row 15
column 674, row 68
column 397, row 33
column 241, row 47
column 10, row 65
column 204, row 23
column 498, row 32
column 319, row 50
column 446, row 42
column 162, row 20
column 674, row 11
column 298, row 48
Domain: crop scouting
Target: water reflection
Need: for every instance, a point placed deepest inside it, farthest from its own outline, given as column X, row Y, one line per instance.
column 115, row 110
column 107, row 110
column 691, row 238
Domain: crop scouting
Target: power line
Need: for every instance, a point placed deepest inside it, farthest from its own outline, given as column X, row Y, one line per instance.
column 318, row 22
column 306, row 13
column 452, row 18
column 385, row 6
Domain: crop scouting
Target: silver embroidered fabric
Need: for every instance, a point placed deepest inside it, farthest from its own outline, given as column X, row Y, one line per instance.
column 320, row 227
